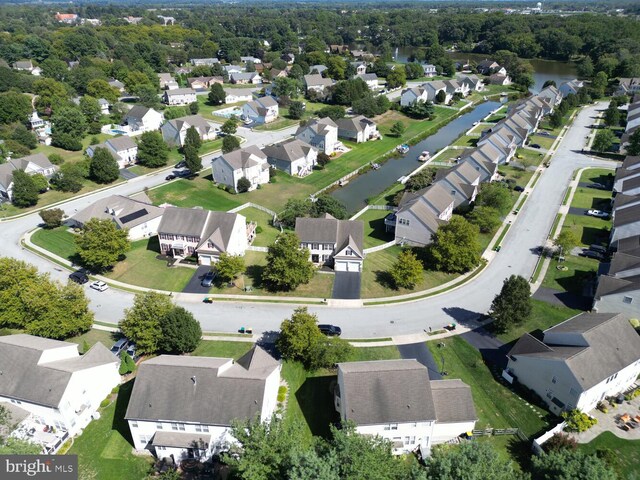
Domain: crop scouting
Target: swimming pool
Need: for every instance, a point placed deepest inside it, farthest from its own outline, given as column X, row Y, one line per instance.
column 228, row 112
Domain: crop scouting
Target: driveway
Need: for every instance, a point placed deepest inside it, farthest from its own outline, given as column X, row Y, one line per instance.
column 492, row 349
column 577, row 211
column 194, row 284
column 421, row 353
column 127, row 174
column 346, row 285
column 563, row 299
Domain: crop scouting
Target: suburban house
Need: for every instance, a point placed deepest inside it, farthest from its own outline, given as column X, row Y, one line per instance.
column 396, row 400
column 250, row 163
column 409, row 96
column 234, row 69
column 293, row 156
column 626, row 223
column 174, row 131
column 182, row 407
column 261, row 110
column 137, row 215
column 275, row 73
column 185, row 232
column 179, row 96
column 570, row 88
column 433, row 88
column 619, row 285
column 23, row 65
column 245, row 78
column 68, row 18
column 357, row 129
column 317, row 83
column 429, row 70
column 334, row 243
column 116, row 84
column 250, row 59
column 579, row 362
column 237, row 95
column 628, row 86
column 320, row 133
column 629, row 170
column 203, row 83
column 371, row 79
column 288, row 57
column 31, row 164
column 633, row 123
column 165, row 79
column 104, row 106
column 473, row 82
column 142, row 119
column 454, row 86
column 488, row 67
column 360, row 67
column 53, row 390
column 499, row 79
column 206, row 62
column 321, row 68
column 123, row 149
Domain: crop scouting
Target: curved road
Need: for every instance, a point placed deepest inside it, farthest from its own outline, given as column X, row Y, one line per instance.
column 462, row 304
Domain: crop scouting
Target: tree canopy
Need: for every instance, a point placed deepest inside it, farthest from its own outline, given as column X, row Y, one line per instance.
column 288, row 265
column 141, row 322
column 512, row 306
column 101, row 244
column 455, row 247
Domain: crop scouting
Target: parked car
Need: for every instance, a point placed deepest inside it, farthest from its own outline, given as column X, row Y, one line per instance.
column 119, row 346
column 518, row 188
column 79, row 277
column 100, row 286
column 330, row 330
column 542, row 133
column 597, row 213
column 171, row 176
column 599, row 186
column 181, row 164
column 598, row 248
column 535, row 145
column 207, row 280
column 591, row 254
column 131, row 350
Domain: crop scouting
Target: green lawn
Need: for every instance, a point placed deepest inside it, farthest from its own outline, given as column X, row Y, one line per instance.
column 589, row 230
column 263, row 219
column 542, row 140
column 527, row 157
column 585, row 197
column 93, row 336
column 376, row 282
column 386, row 197
column 374, row 229
column 365, row 354
column 626, row 458
column 197, row 192
column 579, row 271
column 466, row 141
column 518, row 174
column 222, row 349
column 478, row 129
column 58, row 241
column 105, row 448
column 496, row 405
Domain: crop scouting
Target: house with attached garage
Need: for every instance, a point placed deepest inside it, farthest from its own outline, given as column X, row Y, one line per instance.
column 317, row 83
column 137, row 215
column 31, row 164
column 203, row 83
column 333, row 243
column 123, row 149
column 245, row 77
column 321, row 133
column 433, row 88
column 185, row 232
column 454, row 86
column 579, row 362
column 261, row 110
column 292, row 156
column 626, row 223
column 357, row 129
column 53, row 390
column 179, row 96
column 182, row 407
column 472, row 82
column 175, row 131
column 409, row 96
column 142, row 119
column 237, row 95
column 396, row 400
column 619, row 284
column 371, row 79
column 250, row 163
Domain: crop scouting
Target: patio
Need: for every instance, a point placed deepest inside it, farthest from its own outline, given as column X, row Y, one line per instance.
column 47, row 436
column 611, row 422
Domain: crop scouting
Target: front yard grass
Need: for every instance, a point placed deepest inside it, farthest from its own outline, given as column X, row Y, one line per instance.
column 222, row 349
column 626, row 453
column 579, row 271
column 589, row 230
column 585, row 197
column 544, row 141
column 105, row 447
column 93, row 336
column 374, row 229
column 59, row 241
column 197, row 192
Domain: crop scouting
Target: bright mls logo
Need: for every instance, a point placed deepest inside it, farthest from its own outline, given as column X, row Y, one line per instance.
column 50, row 467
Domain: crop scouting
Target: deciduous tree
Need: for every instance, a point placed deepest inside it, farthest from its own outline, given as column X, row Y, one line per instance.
column 407, row 271
column 296, row 110
column 288, row 265
column 25, row 191
column 566, row 240
column 299, row 335
column 603, row 140
column 101, row 244
column 52, row 217
column 469, row 461
column 152, row 151
column 495, row 195
column 103, row 167
column 573, row 464
column 633, row 148
column 512, row 306
column 230, row 127
column 455, row 247
column 141, row 323
column 230, row 143
column 397, row 129
column 229, row 267
column 216, row 95
column 181, row 332
column 191, row 159
column 486, row 218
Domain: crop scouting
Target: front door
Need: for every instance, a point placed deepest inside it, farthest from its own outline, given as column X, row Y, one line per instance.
column 315, row 258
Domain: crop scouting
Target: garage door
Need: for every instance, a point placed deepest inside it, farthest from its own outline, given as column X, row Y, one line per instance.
column 341, row 266
column 204, row 259
column 353, row 266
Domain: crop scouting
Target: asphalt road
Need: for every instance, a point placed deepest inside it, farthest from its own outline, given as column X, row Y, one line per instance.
column 460, row 305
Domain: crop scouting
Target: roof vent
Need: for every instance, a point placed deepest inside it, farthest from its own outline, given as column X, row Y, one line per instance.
column 193, row 379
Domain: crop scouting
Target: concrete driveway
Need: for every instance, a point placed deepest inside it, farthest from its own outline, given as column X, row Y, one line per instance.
column 421, row 353
column 194, row 284
column 577, row 211
column 127, row 174
column 346, row 285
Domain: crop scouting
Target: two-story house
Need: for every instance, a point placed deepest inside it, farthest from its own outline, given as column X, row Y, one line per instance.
column 185, row 232
column 292, row 156
column 359, row 67
column 142, row 119
column 317, row 83
column 396, row 400
column 409, row 96
column 321, row 133
column 37, row 163
column 261, row 110
column 579, row 362
column 473, row 82
column 619, row 284
column 55, row 389
column 175, row 131
column 179, row 96
column 123, row 149
column 357, row 129
column 570, row 88
column 182, row 407
column 333, row 243
column 250, row 163
column 203, row 83
column 429, row 70
column 371, row 79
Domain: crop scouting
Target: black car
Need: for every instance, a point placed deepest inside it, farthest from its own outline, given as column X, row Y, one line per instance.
column 535, row 145
column 207, row 280
column 79, row 277
column 598, row 186
column 591, row 254
column 170, row 177
column 518, row 188
column 330, row 330
column 181, row 164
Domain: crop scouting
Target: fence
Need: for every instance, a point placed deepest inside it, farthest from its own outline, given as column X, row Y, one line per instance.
column 487, row 432
column 380, row 247
column 538, row 442
column 372, row 207
column 252, row 205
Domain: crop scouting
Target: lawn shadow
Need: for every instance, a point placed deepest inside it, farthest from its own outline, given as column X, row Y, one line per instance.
column 600, row 203
column 576, row 283
column 315, row 398
column 254, row 272
column 122, row 401
column 379, row 231
column 153, row 245
column 385, row 279
column 594, row 236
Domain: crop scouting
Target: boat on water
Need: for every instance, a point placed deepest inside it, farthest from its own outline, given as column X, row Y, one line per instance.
column 404, row 148
column 475, row 123
column 342, row 183
column 424, row 156
column 375, row 166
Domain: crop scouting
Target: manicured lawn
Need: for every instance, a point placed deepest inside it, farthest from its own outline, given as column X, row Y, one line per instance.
column 579, row 271
column 376, row 282
column 449, row 155
column 364, row 354
column 58, row 241
column 585, row 197
column 544, row 141
column 527, row 157
column 386, row 197
column 105, row 448
column 466, row 141
column 263, row 219
column 478, row 129
column 518, row 174
column 93, row 336
column 197, row 192
column 589, row 230
column 599, row 175
column 374, row 229
column 222, row 349
column 626, row 458
column 496, row 405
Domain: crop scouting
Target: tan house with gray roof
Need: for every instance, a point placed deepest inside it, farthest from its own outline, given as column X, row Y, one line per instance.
column 261, row 110
column 331, row 242
column 31, row 164
column 293, row 156
column 357, row 129
column 321, row 133
column 250, row 163
column 175, row 131
column 123, row 149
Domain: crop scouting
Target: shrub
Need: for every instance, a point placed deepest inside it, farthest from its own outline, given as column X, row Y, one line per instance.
column 577, row 421
column 259, row 229
column 281, row 397
column 56, row 159
column 560, row 441
column 244, row 184
column 105, row 403
column 282, row 389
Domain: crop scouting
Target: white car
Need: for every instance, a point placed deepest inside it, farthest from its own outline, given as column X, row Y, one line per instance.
column 100, row 286
column 598, row 213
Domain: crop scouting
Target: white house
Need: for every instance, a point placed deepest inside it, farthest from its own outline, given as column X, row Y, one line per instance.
column 360, row 67
column 123, row 149
column 164, row 79
column 179, row 96
column 371, row 79
column 175, row 131
column 207, row 62
column 396, row 400
column 104, row 106
column 250, row 59
column 570, row 88
column 237, row 95
column 317, row 83
column 31, row 164
column 579, row 362
column 137, row 215
column 250, row 163
column 187, row 232
column 357, row 129
column 142, row 119
column 409, row 96
column 182, row 406
column 488, row 67
column 429, row 70
column 436, row 86
column 261, row 110
column 320, row 133
column 499, row 79
column 473, row 82
column 23, row 65
column 245, row 77
column 333, row 243
column 619, row 286
column 53, row 389
column 293, row 156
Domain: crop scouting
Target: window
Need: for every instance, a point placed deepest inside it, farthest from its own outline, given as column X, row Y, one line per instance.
column 573, row 392
column 144, row 439
column 314, row 246
column 394, row 426
column 348, row 252
column 160, row 449
column 17, row 402
column 403, row 221
column 202, row 428
column 174, row 426
column 627, row 300
column 159, row 426
column 134, row 424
